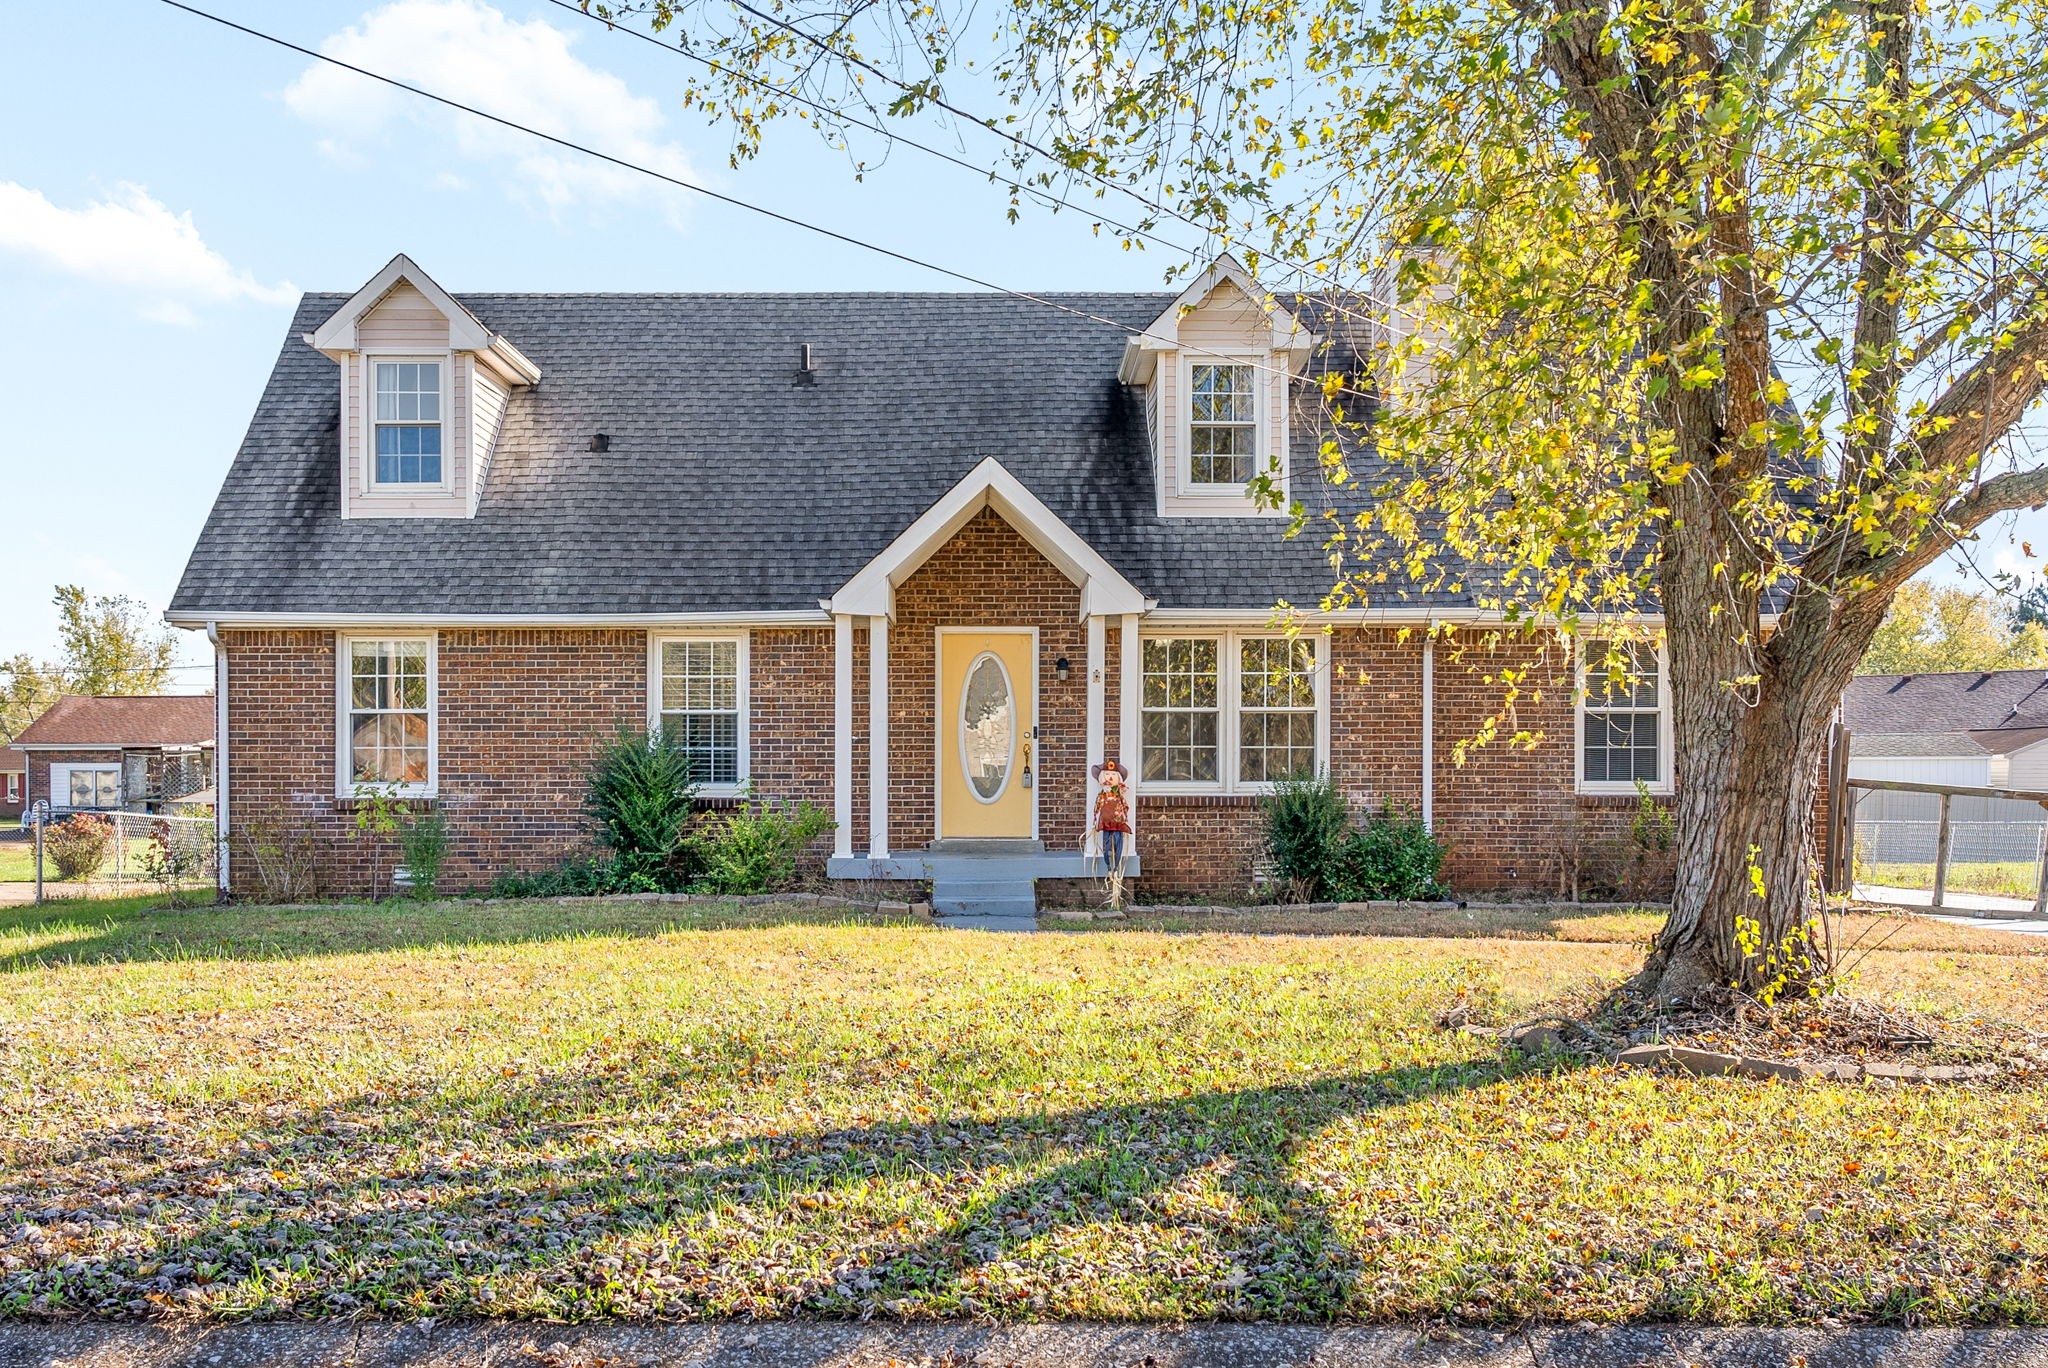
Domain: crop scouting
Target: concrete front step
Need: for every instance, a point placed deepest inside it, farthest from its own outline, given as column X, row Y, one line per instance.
column 982, row 922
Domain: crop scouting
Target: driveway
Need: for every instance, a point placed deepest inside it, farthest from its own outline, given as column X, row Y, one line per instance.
column 829, row 1344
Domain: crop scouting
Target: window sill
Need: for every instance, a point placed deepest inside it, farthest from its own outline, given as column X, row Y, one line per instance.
column 1605, row 795
column 404, row 802
column 1200, row 800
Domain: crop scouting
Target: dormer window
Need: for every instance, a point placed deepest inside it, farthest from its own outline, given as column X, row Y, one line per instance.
column 408, row 422
column 1223, row 429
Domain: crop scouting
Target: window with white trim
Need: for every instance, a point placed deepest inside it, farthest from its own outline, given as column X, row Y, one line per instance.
column 1223, row 428
column 406, row 430
column 13, row 788
column 1230, row 711
column 85, row 786
column 388, row 713
column 1624, row 718
column 701, row 698
column 1276, row 692
column 1183, row 709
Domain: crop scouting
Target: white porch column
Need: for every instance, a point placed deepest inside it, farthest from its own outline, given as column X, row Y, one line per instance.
column 1133, row 672
column 842, row 733
column 1098, row 651
column 878, row 738
column 1429, row 730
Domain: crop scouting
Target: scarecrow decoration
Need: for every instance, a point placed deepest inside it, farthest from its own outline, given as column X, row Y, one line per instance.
column 1112, row 821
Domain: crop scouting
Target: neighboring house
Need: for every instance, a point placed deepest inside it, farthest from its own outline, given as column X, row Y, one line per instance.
column 1981, row 728
column 1971, row 729
column 922, row 559
column 13, row 781
column 131, row 753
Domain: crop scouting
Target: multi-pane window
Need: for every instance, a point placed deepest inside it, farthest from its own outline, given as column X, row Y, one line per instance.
column 1182, row 701
column 701, row 705
column 389, row 701
column 1621, row 737
column 93, row 787
column 1222, row 426
column 1276, row 723
column 408, row 425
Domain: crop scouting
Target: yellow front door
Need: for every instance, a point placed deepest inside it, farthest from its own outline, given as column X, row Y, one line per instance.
column 988, row 702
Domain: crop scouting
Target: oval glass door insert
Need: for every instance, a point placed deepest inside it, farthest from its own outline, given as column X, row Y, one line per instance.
column 988, row 727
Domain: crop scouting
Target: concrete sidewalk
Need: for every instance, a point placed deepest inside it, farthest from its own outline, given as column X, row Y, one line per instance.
column 815, row 1344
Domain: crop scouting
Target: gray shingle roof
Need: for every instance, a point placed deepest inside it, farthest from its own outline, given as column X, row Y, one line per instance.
column 729, row 485
column 1947, row 704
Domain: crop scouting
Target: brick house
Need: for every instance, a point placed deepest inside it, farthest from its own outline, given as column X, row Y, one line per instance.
column 13, row 781
column 921, row 559
column 131, row 753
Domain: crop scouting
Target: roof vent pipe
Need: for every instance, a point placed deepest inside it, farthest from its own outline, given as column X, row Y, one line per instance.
column 805, row 363
column 600, row 442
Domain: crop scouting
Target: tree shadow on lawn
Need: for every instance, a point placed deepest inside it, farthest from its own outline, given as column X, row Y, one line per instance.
column 1212, row 1174
column 84, row 931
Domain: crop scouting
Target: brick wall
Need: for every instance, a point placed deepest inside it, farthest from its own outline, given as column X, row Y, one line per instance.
column 988, row 575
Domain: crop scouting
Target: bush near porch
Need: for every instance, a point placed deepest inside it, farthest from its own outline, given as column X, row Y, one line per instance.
column 634, row 1109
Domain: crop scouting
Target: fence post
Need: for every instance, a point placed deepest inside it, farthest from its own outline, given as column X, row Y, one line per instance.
column 2041, row 882
column 1941, row 839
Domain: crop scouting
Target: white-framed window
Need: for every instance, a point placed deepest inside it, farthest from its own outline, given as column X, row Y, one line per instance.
column 91, row 785
column 697, row 691
column 1624, row 731
column 13, row 788
column 1227, row 711
column 408, row 412
column 1223, row 423
column 388, row 731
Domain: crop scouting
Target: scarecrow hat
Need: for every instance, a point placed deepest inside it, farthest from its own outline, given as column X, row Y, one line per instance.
column 1109, row 772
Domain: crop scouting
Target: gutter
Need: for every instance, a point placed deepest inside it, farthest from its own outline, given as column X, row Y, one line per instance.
column 220, row 758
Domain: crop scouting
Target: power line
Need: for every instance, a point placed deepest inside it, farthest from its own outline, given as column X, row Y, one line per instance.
column 679, row 183
column 1051, row 201
column 611, row 23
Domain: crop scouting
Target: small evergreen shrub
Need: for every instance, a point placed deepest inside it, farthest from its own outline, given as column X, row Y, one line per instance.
column 1305, row 821
column 574, row 879
column 78, row 845
column 753, row 848
column 1393, row 855
column 640, row 799
column 423, row 839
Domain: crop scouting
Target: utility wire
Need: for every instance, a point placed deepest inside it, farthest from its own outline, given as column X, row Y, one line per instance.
column 611, row 22
column 705, row 191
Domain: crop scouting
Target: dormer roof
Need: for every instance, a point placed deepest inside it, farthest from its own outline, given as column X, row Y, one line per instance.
column 466, row 332
column 1162, row 334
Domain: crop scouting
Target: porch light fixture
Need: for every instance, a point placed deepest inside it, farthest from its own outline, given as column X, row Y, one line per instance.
column 1062, row 670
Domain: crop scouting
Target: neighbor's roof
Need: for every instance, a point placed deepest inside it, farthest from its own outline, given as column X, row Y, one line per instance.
column 12, row 760
column 1969, row 701
column 1913, row 745
column 730, row 484
column 148, row 720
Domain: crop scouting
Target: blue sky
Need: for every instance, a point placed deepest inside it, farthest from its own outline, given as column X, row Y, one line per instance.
column 168, row 187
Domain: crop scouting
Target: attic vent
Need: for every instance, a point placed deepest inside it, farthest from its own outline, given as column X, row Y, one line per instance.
column 804, row 363
column 601, row 441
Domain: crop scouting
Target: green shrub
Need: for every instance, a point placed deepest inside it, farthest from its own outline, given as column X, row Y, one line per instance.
column 753, row 848
column 640, row 799
column 1305, row 820
column 423, row 837
column 1392, row 856
column 78, row 845
column 574, row 879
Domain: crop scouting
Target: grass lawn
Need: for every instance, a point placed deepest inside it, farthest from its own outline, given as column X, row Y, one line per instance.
column 2005, row 878
column 662, row 1110
column 18, row 861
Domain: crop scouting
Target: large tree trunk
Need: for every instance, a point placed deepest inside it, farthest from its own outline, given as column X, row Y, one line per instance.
column 1751, row 729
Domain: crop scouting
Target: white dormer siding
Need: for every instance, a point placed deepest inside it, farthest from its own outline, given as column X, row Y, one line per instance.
column 1224, row 319
column 447, row 381
column 1412, row 331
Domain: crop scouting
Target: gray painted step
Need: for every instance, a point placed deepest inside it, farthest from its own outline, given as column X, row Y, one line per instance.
column 983, row 907
column 981, row 898
column 986, row 845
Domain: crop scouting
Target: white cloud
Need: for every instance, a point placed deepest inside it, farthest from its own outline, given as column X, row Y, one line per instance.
column 468, row 51
column 131, row 240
